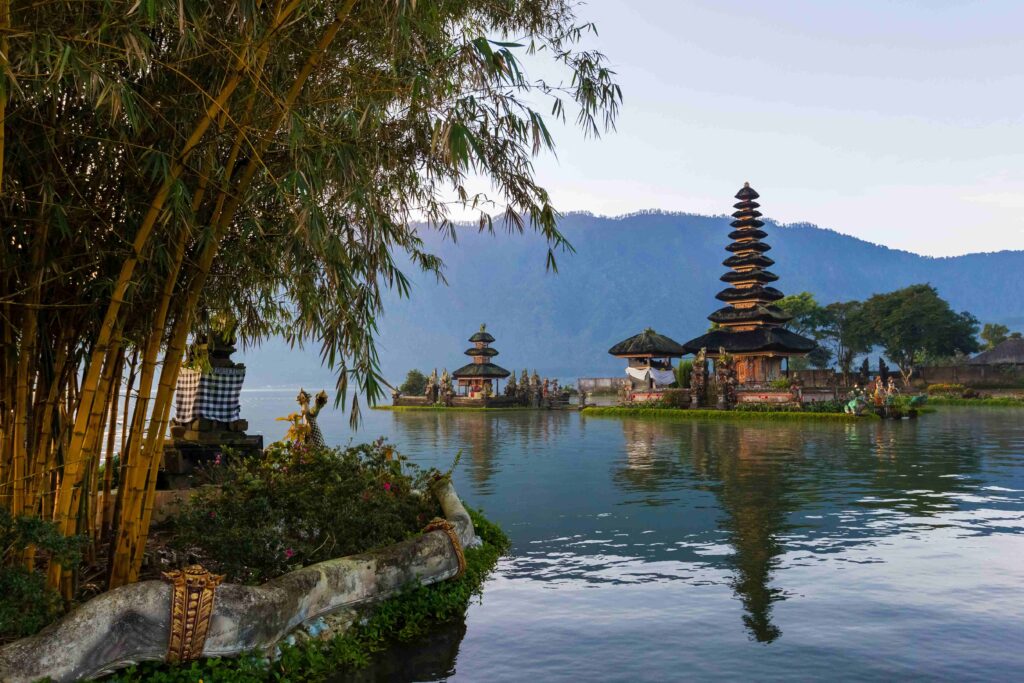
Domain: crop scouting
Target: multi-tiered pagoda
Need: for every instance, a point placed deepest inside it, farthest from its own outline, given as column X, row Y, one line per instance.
column 481, row 373
column 750, row 327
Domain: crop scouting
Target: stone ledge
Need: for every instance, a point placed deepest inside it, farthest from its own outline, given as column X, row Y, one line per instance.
column 131, row 624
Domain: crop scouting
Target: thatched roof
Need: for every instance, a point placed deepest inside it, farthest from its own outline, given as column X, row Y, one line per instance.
column 482, row 336
column 648, row 343
column 1010, row 352
column 481, row 370
column 776, row 339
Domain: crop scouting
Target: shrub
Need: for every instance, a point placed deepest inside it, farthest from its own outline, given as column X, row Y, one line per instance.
column 954, row 390
column 675, row 398
column 26, row 604
column 298, row 505
column 781, row 384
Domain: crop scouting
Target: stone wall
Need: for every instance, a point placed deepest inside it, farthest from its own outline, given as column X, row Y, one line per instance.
column 132, row 623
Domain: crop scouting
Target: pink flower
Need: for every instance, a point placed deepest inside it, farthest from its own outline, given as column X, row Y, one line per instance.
column 213, row 515
column 289, row 554
column 216, row 461
column 387, row 486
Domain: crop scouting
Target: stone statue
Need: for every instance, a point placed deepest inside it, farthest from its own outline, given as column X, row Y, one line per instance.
column 725, row 375
column 314, row 437
column 698, row 379
column 431, row 391
column 510, row 386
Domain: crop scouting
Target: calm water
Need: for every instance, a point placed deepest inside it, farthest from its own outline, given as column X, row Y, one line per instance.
column 648, row 551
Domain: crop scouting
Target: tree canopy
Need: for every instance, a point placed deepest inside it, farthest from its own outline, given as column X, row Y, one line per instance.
column 245, row 167
column 994, row 334
column 914, row 324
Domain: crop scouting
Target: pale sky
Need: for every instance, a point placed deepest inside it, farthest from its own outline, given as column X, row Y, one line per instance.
column 896, row 122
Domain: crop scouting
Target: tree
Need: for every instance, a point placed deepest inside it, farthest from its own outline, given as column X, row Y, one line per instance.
column 846, row 331
column 415, row 383
column 994, row 334
column 181, row 167
column 914, row 323
column 808, row 316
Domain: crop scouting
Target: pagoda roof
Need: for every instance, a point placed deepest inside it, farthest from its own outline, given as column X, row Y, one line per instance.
column 756, row 293
column 756, row 260
column 481, row 370
column 732, row 315
column 1010, row 352
column 765, row 339
column 748, row 246
column 648, row 343
column 486, row 351
column 482, row 336
column 747, row 193
column 755, row 275
column 747, row 234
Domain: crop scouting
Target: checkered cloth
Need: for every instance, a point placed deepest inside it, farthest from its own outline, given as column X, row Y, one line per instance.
column 213, row 396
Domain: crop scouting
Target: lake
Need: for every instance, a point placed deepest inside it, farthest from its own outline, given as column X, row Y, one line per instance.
column 651, row 550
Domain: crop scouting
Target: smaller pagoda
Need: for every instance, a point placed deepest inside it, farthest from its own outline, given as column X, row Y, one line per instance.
column 479, row 379
column 649, row 359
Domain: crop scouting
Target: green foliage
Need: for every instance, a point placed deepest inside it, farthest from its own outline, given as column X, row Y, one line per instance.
column 846, row 331
column 781, row 384
column 956, row 390
column 808, row 316
column 683, row 372
column 415, row 383
column 407, row 616
column 299, row 505
column 914, row 323
column 994, row 334
column 675, row 398
column 26, row 604
column 1001, row 402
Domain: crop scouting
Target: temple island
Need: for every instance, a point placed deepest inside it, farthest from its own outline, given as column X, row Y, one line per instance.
column 478, row 384
column 744, row 357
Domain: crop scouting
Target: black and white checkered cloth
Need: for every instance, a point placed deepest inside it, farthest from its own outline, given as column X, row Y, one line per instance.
column 213, row 396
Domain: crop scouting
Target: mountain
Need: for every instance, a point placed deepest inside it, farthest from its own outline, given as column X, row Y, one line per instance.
column 649, row 269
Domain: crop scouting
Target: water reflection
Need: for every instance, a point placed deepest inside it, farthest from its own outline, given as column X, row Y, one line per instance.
column 828, row 543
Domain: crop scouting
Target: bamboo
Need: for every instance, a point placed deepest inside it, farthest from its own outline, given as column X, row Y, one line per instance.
column 108, row 469
column 100, row 352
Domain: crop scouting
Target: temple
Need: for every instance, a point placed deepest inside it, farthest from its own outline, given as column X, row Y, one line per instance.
column 480, row 377
column 649, row 361
column 750, row 327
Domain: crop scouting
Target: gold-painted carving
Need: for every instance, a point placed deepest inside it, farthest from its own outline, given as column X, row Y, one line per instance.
column 192, row 595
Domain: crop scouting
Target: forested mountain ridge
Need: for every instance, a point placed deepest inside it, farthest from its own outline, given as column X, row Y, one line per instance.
column 651, row 269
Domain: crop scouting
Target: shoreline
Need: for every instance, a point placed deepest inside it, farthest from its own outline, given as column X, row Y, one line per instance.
column 708, row 414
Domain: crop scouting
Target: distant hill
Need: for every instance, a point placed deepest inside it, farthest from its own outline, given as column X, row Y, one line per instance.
column 649, row 269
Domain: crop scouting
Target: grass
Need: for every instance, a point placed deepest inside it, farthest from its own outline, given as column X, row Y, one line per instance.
column 457, row 409
column 407, row 616
column 977, row 402
column 686, row 414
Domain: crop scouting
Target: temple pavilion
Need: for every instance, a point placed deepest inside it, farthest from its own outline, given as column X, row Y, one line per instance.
column 649, row 359
column 480, row 373
column 750, row 326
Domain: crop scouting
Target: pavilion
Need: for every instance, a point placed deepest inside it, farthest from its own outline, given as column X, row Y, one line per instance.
column 480, row 376
column 750, row 327
column 649, row 359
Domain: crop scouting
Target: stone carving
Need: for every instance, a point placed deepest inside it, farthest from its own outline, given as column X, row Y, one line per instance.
column 725, row 375
column 698, row 379
column 193, row 590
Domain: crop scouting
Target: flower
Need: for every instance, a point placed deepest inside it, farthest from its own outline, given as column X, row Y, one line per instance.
column 216, row 460
column 387, row 486
column 212, row 514
column 289, row 553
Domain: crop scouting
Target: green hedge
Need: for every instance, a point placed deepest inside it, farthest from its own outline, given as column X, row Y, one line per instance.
column 698, row 414
column 464, row 409
column 977, row 402
column 407, row 616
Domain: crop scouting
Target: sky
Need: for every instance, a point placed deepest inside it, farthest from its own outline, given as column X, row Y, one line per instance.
column 896, row 122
